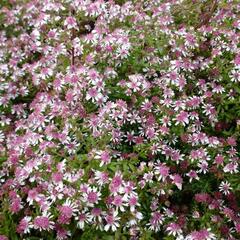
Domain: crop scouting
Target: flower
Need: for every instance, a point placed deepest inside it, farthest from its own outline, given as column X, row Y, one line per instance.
column 101, row 177
column 91, row 196
column 119, row 202
column 116, row 183
column 24, row 225
column 204, row 234
column 192, row 175
column 177, row 180
column 231, row 167
column 225, row 187
column 43, row 222
column 70, row 22
column 156, row 221
column 104, row 157
column 162, row 170
column 174, row 229
column 62, row 233
column 234, row 75
column 182, row 118
column 112, row 221
column 2, row 237
column 83, row 218
column 133, row 202
column 67, row 210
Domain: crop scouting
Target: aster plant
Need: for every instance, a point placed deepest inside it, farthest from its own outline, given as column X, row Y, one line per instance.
column 119, row 119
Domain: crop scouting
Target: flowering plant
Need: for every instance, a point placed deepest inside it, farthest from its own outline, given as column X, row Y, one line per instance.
column 119, row 119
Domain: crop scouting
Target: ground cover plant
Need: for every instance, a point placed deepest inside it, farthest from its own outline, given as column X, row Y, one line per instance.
column 119, row 119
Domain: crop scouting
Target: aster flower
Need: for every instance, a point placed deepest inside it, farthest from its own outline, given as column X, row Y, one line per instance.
column 101, row 177
column 192, row 175
column 156, row 221
column 91, row 196
column 70, row 22
column 235, row 75
column 24, row 225
column 135, row 82
column 225, row 187
column 231, row 167
column 2, row 237
column 104, row 157
column 112, row 221
column 116, row 184
column 43, row 222
column 203, row 165
column 83, row 218
column 204, row 234
column 133, row 202
column 96, row 215
column 62, row 233
column 68, row 209
column 120, row 202
column 174, row 229
column 182, row 118
column 162, row 170
column 177, row 180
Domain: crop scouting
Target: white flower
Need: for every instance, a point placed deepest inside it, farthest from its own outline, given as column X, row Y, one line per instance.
column 231, row 167
column 204, row 234
column 225, row 187
column 25, row 224
column 91, row 197
column 235, row 75
column 70, row 22
column 112, row 222
column 174, row 229
column 43, row 222
column 83, row 218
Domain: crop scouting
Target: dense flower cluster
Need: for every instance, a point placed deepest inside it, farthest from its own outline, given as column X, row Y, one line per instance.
column 120, row 119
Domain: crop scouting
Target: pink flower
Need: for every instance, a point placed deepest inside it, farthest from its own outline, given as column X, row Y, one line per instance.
column 70, row 22
column 182, row 118
column 116, row 183
column 156, row 221
column 91, row 196
column 174, row 229
column 96, row 214
column 203, row 234
column 43, row 222
column 2, row 237
column 237, row 227
column 16, row 205
column 101, row 177
column 83, row 218
column 119, row 202
column 104, row 157
column 219, row 159
column 24, row 225
column 237, row 60
column 202, row 197
column 192, row 175
column 231, row 141
column 133, row 202
column 162, row 170
column 231, row 167
column 67, row 210
column 112, row 221
column 62, row 233
column 177, row 180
